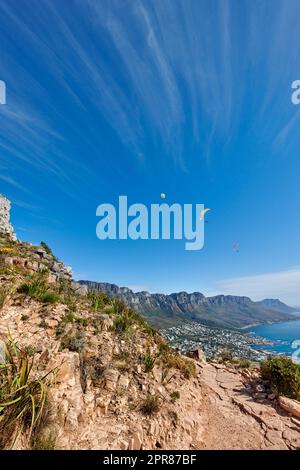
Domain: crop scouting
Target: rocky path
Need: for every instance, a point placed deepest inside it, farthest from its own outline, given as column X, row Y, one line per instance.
column 235, row 419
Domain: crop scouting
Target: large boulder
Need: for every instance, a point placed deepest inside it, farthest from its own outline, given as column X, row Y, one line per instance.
column 289, row 405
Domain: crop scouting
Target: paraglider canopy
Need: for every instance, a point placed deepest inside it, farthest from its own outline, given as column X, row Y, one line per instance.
column 203, row 213
column 235, row 247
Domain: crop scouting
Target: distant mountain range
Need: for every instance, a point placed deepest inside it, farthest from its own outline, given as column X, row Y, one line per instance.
column 226, row 311
column 276, row 304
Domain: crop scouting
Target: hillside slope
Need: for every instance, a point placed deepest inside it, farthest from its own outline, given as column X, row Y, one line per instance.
column 225, row 311
column 108, row 379
column 276, row 304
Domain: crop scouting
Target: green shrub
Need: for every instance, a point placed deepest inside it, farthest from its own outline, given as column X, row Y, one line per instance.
column 46, row 248
column 69, row 317
column 119, row 306
column 150, row 405
column 98, row 300
column 50, row 297
column 109, row 309
column 83, row 321
column 30, row 351
column 36, row 287
column 283, row 375
column 122, row 325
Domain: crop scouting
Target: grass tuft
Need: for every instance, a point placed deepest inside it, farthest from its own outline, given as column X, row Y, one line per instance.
column 22, row 397
column 150, row 405
column 149, row 361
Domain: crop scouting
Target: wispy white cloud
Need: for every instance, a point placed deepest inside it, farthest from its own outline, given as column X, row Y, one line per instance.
column 12, row 182
column 150, row 69
column 284, row 285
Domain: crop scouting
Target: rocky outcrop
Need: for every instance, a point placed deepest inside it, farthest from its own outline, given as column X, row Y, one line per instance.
column 5, row 226
column 95, row 397
column 36, row 259
column 237, row 416
column 162, row 310
column 291, row 406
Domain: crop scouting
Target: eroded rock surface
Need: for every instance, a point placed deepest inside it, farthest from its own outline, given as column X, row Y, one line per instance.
column 235, row 419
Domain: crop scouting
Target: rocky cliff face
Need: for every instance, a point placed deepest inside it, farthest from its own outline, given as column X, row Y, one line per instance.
column 221, row 310
column 5, row 225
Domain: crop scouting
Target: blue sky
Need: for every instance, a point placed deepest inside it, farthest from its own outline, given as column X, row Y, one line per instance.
column 191, row 98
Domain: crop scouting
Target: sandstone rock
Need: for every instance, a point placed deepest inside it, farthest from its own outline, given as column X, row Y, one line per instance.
column 51, row 323
column 102, row 403
column 135, row 442
column 198, row 355
column 292, row 437
column 63, row 410
column 289, row 405
column 40, row 252
column 123, row 445
column 66, row 372
column 45, row 355
column 72, row 420
column 68, row 270
column 56, row 267
column 33, row 265
column 19, row 262
column 123, row 382
column 52, row 278
column 296, row 421
column 111, row 378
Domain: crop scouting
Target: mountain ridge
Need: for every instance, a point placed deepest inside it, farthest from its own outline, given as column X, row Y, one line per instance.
column 163, row 310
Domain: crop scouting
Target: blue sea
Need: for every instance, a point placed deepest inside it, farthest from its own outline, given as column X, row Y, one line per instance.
column 286, row 333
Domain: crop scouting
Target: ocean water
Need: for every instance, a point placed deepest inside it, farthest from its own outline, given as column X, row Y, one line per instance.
column 287, row 333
